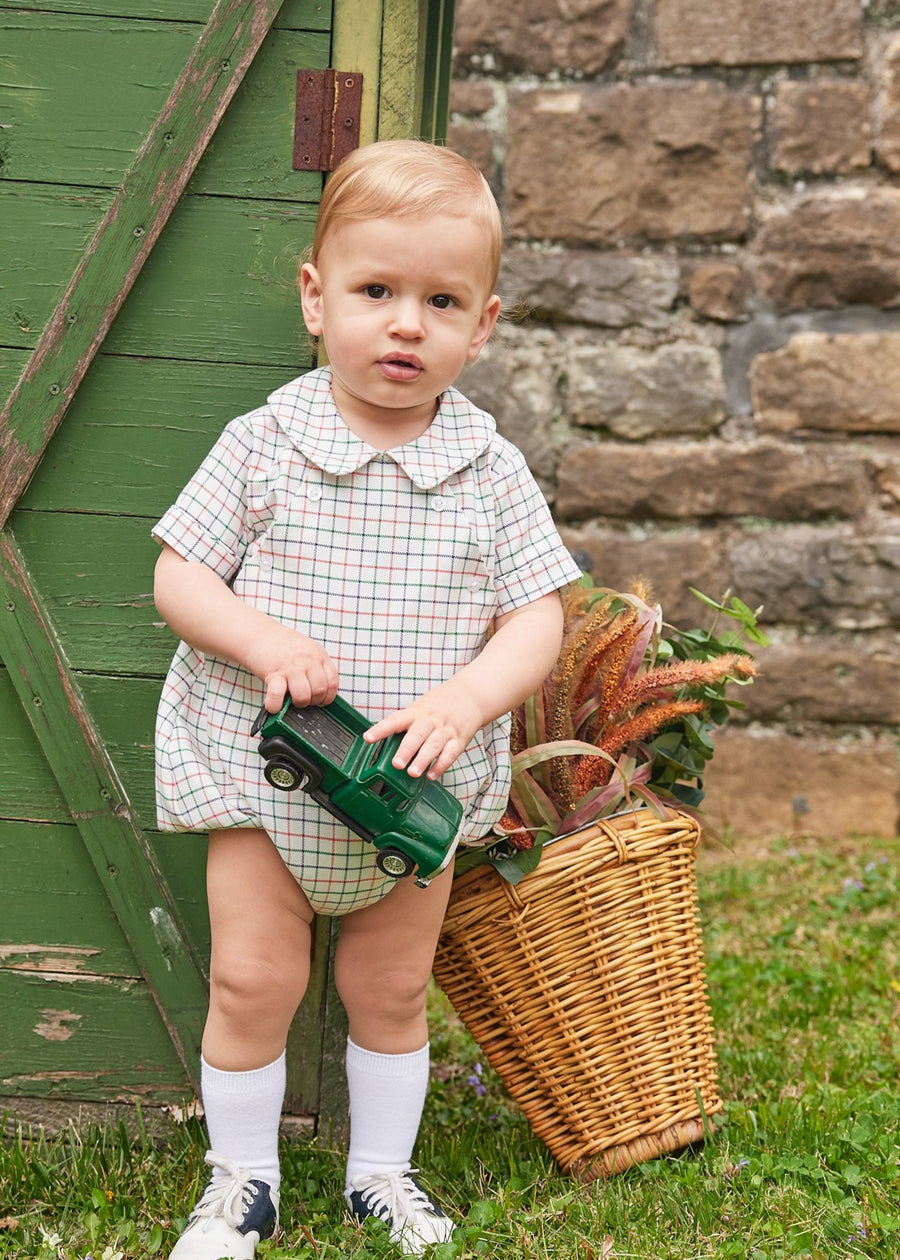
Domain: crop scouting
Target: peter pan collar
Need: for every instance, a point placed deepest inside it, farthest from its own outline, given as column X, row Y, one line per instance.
column 305, row 410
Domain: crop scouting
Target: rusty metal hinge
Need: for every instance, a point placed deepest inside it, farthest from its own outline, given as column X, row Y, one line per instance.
column 326, row 126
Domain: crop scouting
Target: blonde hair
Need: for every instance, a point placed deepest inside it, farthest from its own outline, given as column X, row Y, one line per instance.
column 409, row 178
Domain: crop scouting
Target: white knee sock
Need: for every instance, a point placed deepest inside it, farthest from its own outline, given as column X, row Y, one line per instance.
column 387, row 1094
column 243, row 1110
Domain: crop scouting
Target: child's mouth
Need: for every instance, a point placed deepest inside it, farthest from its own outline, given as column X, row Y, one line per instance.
column 401, row 367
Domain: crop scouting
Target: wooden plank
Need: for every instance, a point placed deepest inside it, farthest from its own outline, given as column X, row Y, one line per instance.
column 251, row 153
column 222, row 286
column 317, row 1080
column 56, row 917
column 118, row 848
column 138, row 428
column 304, row 15
column 85, row 1037
column 47, row 99
column 124, row 711
column 356, row 45
column 182, row 860
column 45, row 231
column 129, row 231
column 28, row 789
column 436, row 71
column 69, row 127
column 11, row 363
column 97, row 572
column 402, row 58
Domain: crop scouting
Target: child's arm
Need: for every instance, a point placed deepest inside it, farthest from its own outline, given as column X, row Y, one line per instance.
column 205, row 612
column 512, row 665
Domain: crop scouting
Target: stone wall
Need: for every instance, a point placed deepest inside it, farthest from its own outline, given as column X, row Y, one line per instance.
column 703, row 210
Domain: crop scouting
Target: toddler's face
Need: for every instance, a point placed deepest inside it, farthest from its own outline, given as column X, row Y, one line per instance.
column 401, row 307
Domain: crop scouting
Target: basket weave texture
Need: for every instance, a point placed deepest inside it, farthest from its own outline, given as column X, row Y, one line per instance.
column 585, row 988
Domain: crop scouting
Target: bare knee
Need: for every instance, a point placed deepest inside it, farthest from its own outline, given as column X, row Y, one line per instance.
column 255, row 993
column 392, row 993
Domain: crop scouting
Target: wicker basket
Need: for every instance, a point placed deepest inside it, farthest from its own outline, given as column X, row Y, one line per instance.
column 585, row 988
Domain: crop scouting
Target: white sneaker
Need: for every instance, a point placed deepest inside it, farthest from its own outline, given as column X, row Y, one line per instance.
column 233, row 1214
column 416, row 1221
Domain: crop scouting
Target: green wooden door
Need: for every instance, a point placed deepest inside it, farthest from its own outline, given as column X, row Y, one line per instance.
column 152, row 221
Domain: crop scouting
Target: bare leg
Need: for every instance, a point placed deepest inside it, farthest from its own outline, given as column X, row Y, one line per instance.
column 260, row 924
column 260, row 921
column 383, row 963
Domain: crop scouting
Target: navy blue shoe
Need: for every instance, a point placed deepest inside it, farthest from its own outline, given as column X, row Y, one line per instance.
column 415, row 1220
column 234, row 1213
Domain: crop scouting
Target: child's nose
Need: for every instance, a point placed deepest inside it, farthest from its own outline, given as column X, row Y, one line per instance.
column 406, row 319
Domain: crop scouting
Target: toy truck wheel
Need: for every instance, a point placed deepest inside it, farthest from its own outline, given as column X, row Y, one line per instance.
column 286, row 768
column 394, row 863
column 284, row 775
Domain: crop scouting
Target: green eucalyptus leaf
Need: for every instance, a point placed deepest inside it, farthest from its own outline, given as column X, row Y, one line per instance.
column 686, row 794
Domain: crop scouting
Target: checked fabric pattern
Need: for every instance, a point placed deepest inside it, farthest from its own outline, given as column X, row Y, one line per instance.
column 396, row 561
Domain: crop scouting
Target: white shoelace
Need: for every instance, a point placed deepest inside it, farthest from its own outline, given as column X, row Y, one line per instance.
column 393, row 1196
column 229, row 1195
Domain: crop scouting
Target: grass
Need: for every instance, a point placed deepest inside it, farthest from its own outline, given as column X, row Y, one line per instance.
column 804, row 977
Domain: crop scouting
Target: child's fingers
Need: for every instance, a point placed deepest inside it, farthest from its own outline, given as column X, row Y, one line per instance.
column 276, row 690
column 389, row 725
column 427, row 747
column 435, row 756
column 317, row 684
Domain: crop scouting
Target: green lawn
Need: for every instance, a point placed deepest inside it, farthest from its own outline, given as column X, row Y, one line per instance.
column 804, row 973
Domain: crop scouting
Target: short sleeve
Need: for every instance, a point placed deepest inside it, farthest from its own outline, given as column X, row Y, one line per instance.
column 531, row 558
column 208, row 521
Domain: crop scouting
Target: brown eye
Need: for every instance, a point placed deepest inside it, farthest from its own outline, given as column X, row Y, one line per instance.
column 376, row 291
column 442, row 302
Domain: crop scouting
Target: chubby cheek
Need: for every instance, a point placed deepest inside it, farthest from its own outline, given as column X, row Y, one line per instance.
column 349, row 339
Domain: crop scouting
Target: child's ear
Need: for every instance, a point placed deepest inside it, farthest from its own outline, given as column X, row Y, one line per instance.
column 486, row 325
column 311, row 299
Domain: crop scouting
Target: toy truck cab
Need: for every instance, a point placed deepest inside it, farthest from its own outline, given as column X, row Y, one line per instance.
column 412, row 822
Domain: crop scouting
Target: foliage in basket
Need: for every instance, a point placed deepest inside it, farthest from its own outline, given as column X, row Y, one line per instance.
column 626, row 714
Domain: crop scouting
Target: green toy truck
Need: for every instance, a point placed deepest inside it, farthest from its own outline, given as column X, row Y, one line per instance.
column 320, row 750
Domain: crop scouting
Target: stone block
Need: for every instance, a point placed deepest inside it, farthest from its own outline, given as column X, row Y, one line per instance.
column 825, row 576
column 719, row 290
column 840, row 246
column 887, row 479
column 822, row 127
column 888, row 143
column 762, row 784
column 474, row 141
column 674, row 390
column 672, row 563
column 602, row 165
column 471, row 97
column 691, row 480
column 820, row 680
column 515, row 379
column 757, row 32
column 845, row 383
column 539, row 36
column 585, row 286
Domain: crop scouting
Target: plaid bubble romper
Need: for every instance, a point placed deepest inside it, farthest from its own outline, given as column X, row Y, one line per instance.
column 396, row 561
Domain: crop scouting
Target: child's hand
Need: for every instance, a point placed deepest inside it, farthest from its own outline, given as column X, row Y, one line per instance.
column 439, row 726
column 290, row 663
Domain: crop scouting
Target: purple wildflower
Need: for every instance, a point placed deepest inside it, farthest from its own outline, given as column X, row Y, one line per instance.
column 476, row 1082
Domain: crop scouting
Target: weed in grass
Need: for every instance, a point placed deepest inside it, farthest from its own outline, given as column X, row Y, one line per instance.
column 805, row 1162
